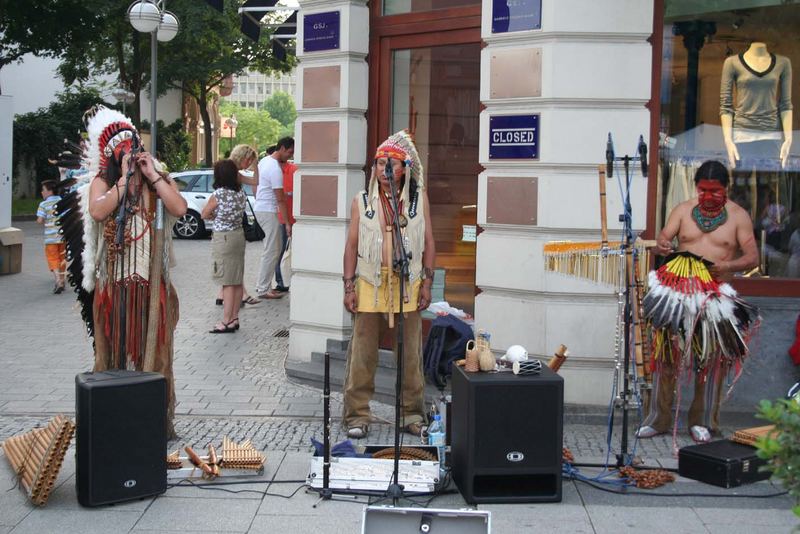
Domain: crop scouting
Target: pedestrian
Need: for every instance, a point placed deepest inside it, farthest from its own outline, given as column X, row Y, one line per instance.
column 270, row 200
column 281, row 277
column 226, row 207
column 54, row 248
column 245, row 158
column 700, row 326
column 371, row 285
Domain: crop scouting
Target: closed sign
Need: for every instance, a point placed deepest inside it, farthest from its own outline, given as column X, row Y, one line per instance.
column 514, row 136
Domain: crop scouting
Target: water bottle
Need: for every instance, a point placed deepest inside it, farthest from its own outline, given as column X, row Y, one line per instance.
column 436, row 438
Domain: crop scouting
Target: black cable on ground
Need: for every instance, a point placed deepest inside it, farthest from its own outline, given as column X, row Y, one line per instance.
column 216, row 486
column 655, row 494
column 610, row 467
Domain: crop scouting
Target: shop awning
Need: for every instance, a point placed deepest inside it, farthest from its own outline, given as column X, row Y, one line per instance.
column 253, row 13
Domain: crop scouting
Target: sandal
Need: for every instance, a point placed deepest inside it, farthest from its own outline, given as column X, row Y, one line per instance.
column 235, row 327
column 218, row 302
column 226, row 329
column 250, row 300
column 357, row 432
column 646, row 432
column 700, row 434
column 271, row 294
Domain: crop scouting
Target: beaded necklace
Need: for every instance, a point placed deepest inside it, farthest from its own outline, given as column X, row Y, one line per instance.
column 709, row 224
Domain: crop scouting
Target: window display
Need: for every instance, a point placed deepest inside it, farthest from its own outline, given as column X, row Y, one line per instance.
column 726, row 95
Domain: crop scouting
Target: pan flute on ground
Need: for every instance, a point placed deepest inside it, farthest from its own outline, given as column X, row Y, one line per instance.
column 36, row 457
column 749, row 436
column 241, row 456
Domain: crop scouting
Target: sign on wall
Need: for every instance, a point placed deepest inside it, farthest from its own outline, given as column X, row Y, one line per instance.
column 514, row 136
column 516, row 15
column 321, row 31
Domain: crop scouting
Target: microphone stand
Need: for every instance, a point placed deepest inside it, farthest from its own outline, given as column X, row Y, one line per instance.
column 400, row 264
column 629, row 255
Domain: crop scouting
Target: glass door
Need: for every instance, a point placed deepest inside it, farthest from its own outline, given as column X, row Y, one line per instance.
column 434, row 92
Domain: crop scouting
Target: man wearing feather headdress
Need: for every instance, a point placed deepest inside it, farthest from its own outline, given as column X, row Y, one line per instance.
column 699, row 326
column 371, row 285
column 119, row 250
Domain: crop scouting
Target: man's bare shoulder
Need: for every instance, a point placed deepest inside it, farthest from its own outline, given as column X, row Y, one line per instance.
column 685, row 207
column 737, row 213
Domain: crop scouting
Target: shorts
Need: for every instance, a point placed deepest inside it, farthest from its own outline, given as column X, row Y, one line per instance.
column 227, row 252
column 56, row 254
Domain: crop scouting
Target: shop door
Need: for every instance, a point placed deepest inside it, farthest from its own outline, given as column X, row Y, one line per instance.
column 430, row 84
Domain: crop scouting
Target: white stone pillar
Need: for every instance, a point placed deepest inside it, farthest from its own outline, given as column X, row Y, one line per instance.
column 6, row 168
column 330, row 144
column 586, row 72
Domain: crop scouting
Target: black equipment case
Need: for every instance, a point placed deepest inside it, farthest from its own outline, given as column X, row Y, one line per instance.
column 723, row 463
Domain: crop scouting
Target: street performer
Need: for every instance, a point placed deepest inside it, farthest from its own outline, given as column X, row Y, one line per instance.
column 698, row 324
column 120, row 251
column 372, row 287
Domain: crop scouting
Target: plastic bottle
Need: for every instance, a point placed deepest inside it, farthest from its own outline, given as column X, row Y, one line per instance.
column 436, row 438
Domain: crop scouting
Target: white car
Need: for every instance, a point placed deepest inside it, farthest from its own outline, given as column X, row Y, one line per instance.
column 196, row 187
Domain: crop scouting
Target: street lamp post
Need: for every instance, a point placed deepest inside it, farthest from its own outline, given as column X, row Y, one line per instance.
column 231, row 123
column 123, row 96
column 150, row 16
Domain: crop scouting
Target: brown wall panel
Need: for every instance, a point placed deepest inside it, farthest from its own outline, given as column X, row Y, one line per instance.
column 511, row 200
column 516, row 73
column 320, row 142
column 319, row 195
column 321, row 87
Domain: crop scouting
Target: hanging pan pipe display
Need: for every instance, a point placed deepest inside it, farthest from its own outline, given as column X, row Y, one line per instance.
column 36, row 457
column 605, row 262
column 241, row 456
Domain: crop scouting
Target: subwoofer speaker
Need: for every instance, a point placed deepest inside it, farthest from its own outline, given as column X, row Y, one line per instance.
column 507, row 433
column 120, row 436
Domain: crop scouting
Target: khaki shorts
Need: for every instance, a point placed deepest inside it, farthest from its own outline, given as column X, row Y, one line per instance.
column 227, row 252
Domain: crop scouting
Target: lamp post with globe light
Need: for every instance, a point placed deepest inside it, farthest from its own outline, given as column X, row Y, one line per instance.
column 123, row 96
column 231, row 123
column 150, row 16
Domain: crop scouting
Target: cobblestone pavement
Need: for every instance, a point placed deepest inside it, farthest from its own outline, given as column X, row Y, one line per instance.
column 235, row 385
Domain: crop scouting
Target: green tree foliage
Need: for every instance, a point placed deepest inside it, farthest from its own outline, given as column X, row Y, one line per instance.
column 782, row 449
column 40, row 135
column 43, row 27
column 255, row 127
column 209, row 48
column 280, row 107
column 110, row 47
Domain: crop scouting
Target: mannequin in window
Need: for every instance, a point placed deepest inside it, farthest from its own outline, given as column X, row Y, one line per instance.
column 758, row 124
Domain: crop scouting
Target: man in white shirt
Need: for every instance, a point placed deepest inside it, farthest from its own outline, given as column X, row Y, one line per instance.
column 270, row 201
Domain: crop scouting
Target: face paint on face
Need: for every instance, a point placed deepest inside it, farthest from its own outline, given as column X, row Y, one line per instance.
column 711, row 197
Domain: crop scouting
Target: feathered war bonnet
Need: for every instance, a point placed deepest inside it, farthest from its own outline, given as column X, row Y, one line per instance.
column 110, row 135
column 400, row 146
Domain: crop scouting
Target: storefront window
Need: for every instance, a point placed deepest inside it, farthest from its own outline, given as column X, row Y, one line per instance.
column 396, row 7
column 727, row 94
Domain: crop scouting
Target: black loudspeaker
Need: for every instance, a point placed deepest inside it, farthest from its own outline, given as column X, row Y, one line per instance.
column 120, row 436
column 507, row 436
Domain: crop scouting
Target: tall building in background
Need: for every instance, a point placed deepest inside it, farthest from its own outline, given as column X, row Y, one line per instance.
column 252, row 88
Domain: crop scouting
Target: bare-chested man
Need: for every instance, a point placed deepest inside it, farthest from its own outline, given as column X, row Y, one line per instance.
column 685, row 297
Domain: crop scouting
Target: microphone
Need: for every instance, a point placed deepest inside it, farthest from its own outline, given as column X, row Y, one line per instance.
column 642, row 149
column 388, row 170
column 609, row 157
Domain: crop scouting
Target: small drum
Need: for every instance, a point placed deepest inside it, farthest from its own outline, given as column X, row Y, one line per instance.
column 527, row 367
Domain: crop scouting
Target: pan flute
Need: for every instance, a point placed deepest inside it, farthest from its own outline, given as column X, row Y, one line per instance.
column 241, row 456
column 36, row 457
column 749, row 436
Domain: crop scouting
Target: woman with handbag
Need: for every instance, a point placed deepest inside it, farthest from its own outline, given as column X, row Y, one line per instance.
column 245, row 157
column 226, row 209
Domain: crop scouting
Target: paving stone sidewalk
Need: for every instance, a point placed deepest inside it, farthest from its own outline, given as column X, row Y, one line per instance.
column 235, row 385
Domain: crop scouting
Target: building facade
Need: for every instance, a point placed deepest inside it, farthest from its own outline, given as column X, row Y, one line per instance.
column 511, row 104
column 252, row 88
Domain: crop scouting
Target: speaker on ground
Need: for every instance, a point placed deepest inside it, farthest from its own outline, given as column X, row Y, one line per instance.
column 120, row 436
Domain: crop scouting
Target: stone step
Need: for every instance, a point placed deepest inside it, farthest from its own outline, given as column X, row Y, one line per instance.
column 385, row 358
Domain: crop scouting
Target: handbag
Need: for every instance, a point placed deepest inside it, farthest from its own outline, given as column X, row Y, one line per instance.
column 252, row 232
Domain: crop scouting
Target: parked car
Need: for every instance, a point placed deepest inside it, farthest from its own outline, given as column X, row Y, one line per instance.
column 196, row 187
